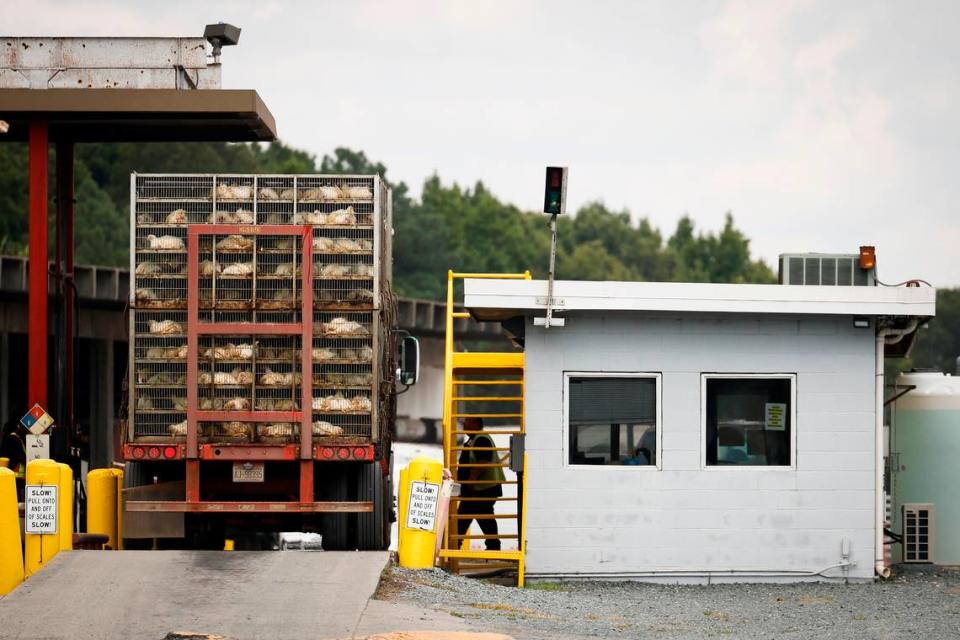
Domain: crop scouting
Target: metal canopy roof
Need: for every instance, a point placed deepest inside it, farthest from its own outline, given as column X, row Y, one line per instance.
column 496, row 299
column 139, row 115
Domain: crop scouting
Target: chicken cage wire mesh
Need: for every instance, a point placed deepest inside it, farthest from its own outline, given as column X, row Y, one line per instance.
column 255, row 278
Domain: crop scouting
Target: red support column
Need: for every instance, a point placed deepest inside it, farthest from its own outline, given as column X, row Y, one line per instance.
column 37, row 331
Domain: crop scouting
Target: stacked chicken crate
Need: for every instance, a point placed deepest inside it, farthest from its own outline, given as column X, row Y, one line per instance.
column 250, row 234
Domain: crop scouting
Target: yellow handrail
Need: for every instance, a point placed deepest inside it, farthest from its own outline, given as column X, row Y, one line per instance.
column 448, row 383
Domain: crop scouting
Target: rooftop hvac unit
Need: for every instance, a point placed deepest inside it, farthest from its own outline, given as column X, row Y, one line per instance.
column 918, row 532
column 825, row 269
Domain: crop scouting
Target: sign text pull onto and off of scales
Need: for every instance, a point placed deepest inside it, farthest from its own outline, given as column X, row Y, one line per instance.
column 40, row 508
column 422, row 512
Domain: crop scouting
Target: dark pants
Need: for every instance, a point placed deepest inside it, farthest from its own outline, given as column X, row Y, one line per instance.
column 479, row 509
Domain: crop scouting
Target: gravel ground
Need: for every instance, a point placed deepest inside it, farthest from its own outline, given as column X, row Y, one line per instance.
column 917, row 603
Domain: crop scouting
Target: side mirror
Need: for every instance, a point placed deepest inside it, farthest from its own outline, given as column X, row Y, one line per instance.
column 408, row 370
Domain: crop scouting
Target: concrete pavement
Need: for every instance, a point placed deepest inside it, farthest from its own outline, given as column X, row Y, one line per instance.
column 242, row 595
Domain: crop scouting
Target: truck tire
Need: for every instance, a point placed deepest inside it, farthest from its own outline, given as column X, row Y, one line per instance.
column 336, row 526
column 373, row 529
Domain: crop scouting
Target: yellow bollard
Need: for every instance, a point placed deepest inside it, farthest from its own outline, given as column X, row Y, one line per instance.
column 419, row 498
column 4, row 463
column 11, row 550
column 40, row 547
column 228, row 544
column 66, row 507
column 102, row 504
column 118, row 473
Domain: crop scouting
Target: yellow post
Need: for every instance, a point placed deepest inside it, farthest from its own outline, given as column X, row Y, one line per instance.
column 66, row 507
column 42, row 475
column 228, row 544
column 11, row 550
column 118, row 473
column 419, row 501
column 102, row 504
column 4, row 463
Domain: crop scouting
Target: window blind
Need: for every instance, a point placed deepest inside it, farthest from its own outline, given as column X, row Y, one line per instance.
column 613, row 400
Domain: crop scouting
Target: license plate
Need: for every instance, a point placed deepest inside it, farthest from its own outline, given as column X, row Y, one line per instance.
column 248, row 472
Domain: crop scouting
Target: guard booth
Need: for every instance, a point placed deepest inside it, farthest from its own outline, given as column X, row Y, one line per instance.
column 69, row 91
column 483, row 435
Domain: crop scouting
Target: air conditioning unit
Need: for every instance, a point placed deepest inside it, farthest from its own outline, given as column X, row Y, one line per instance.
column 918, row 532
column 826, row 269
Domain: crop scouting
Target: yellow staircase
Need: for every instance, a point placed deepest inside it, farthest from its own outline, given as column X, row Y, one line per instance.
column 487, row 386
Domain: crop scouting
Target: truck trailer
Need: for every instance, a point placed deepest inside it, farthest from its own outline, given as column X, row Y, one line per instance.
column 264, row 359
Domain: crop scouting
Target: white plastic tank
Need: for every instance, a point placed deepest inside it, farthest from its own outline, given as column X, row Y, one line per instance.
column 925, row 441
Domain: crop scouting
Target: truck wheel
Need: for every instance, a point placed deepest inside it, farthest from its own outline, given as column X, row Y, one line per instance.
column 373, row 529
column 336, row 526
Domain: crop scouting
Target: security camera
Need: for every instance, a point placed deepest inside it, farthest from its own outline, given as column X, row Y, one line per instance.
column 221, row 35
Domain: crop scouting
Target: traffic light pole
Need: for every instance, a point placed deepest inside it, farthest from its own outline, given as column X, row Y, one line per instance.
column 553, row 260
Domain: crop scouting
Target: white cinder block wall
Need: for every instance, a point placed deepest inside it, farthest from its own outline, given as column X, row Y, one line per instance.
column 599, row 520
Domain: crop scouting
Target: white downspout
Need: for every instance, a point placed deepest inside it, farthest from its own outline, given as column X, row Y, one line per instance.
column 884, row 337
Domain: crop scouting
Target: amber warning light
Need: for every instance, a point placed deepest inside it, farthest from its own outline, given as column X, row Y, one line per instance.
column 868, row 258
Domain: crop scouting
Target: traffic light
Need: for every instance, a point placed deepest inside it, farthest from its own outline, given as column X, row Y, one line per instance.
column 555, row 193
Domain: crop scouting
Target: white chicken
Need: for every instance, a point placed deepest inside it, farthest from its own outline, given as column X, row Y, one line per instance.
column 179, row 403
column 242, row 216
column 333, row 270
column 144, row 294
column 238, row 269
column 147, row 268
column 323, row 245
column 363, row 270
column 276, row 404
column 309, row 194
column 275, row 379
column 276, row 430
column 337, row 402
column 266, row 193
column 365, row 354
column 346, row 245
column 209, row 268
column 329, row 193
column 324, row 428
column 365, row 244
column 288, row 269
column 154, row 353
column 234, row 192
column 165, row 243
column 177, row 353
column 220, row 217
column 237, row 404
column 287, row 194
column 177, row 216
column 145, row 402
column 178, row 428
column 144, row 218
column 235, row 429
column 243, row 377
column 360, row 404
column 244, row 351
column 358, row 193
column 165, row 327
column 341, row 217
column 342, row 327
column 319, row 354
column 285, row 243
column 235, row 243
column 309, row 217
column 211, row 404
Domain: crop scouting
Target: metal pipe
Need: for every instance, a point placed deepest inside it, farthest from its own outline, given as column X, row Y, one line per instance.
column 37, row 331
column 884, row 337
column 700, row 573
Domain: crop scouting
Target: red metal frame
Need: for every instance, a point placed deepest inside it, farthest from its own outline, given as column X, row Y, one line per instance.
column 37, row 331
column 304, row 328
column 289, row 452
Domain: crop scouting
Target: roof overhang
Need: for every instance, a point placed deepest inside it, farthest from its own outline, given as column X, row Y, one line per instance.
column 138, row 115
column 499, row 299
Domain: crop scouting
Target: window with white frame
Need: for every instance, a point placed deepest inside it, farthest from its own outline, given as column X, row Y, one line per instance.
column 748, row 420
column 613, row 419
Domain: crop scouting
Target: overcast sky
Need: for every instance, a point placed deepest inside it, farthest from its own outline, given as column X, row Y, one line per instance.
column 820, row 125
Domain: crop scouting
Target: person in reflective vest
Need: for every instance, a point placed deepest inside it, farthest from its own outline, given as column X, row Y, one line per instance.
column 481, row 485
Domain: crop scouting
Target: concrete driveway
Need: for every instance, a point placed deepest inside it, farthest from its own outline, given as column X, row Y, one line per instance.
column 146, row 594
